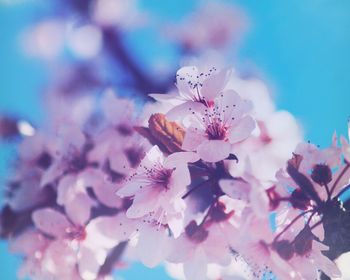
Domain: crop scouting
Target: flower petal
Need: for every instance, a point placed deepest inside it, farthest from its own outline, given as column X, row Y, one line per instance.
column 241, row 130
column 193, row 138
column 180, row 111
column 144, row 202
column 214, row 150
column 236, row 189
column 214, row 84
column 51, row 222
column 153, row 245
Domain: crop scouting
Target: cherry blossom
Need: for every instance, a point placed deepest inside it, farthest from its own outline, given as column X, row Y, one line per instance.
column 214, row 130
column 211, row 179
column 157, row 186
column 197, row 90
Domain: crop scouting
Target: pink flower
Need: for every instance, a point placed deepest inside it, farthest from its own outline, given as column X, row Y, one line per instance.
column 153, row 241
column 275, row 137
column 197, row 90
column 251, row 242
column 117, row 127
column 57, row 225
column 320, row 169
column 197, row 247
column 214, row 130
column 269, row 147
column 297, row 246
column 85, row 245
column 308, row 266
column 158, row 185
column 73, row 196
column 69, row 153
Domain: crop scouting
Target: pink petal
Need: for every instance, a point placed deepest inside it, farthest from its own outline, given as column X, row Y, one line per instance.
column 28, row 243
column 214, row 150
column 107, row 232
column 180, row 179
column 154, row 155
column 235, row 106
column 60, row 259
column 324, row 263
column 193, row 138
column 120, row 162
column 196, row 268
column 51, row 222
column 179, row 159
column 181, row 250
column 214, row 85
column 130, row 188
column 241, row 130
column 236, row 189
column 216, row 247
column 153, row 245
column 66, row 189
column 90, row 262
column 259, row 202
column 185, row 76
column 106, row 194
column 182, row 110
column 78, row 209
column 70, row 137
column 176, row 225
column 104, row 190
column 144, row 202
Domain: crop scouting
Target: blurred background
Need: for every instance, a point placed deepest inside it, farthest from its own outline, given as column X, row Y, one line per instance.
column 299, row 47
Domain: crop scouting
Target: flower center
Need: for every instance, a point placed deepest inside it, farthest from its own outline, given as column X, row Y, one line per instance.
column 161, row 177
column 216, row 130
column 76, row 233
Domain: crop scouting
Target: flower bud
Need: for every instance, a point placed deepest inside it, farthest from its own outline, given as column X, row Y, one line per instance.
column 299, row 199
column 321, row 174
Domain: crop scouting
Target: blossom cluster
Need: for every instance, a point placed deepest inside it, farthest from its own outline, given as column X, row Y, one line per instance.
column 207, row 177
column 186, row 189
